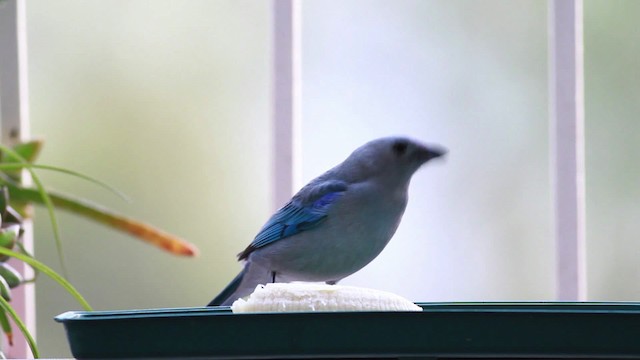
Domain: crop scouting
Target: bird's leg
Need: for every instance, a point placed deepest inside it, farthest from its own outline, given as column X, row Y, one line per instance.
column 273, row 276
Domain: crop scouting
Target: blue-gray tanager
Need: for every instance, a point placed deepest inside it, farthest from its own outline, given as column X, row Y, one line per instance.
column 336, row 224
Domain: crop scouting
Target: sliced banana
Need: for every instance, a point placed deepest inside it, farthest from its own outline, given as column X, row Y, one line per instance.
column 303, row 297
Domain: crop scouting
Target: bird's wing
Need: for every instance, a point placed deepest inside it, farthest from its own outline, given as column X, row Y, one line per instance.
column 305, row 211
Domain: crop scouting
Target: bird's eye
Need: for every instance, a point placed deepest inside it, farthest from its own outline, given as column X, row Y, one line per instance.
column 400, row 147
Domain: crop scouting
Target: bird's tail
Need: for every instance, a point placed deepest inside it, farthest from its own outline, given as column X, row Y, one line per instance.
column 228, row 292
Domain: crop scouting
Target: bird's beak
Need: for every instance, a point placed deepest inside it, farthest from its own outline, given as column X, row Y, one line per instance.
column 436, row 152
column 428, row 152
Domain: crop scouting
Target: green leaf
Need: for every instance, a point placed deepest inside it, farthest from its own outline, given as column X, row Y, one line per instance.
column 23, row 328
column 11, row 275
column 8, row 238
column 22, row 250
column 104, row 185
column 28, row 150
column 143, row 231
column 9, row 235
column 51, row 273
column 4, row 289
column 5, row 325
column 47, row 203
column 12, row 216
column 4, row 200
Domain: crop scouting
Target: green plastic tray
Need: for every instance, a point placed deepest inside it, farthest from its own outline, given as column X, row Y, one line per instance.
column 441, row 330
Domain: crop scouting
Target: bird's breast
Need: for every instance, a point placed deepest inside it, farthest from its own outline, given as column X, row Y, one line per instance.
column 370, row 217
column 357, row 228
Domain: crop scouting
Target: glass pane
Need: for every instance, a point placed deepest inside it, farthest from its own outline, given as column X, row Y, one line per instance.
column 471, row 76
column 170, row 103
column 612, row 81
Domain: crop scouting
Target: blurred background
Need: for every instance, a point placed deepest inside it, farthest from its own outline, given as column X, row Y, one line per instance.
column 170, row 102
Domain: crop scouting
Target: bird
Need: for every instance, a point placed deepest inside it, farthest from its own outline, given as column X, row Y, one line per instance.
column 337, row 223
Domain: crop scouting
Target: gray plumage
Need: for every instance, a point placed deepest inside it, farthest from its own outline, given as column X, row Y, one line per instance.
column 336, row 224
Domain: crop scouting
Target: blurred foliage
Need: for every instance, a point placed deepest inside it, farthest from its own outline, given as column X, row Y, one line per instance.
column 16, row 205
column 24, row 155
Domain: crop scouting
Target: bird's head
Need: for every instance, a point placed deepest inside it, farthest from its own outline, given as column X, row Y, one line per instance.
column 393, row 157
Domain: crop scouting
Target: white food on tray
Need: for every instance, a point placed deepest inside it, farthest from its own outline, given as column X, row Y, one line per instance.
column 303, row 297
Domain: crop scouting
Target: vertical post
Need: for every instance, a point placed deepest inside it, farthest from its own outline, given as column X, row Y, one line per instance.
column 14, row 126
column 567, row 127
column 286, row 98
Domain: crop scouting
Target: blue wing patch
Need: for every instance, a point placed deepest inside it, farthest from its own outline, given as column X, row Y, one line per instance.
column 292, row 219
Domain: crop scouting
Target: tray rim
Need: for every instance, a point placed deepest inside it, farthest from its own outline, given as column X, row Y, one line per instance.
column 469, row 307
